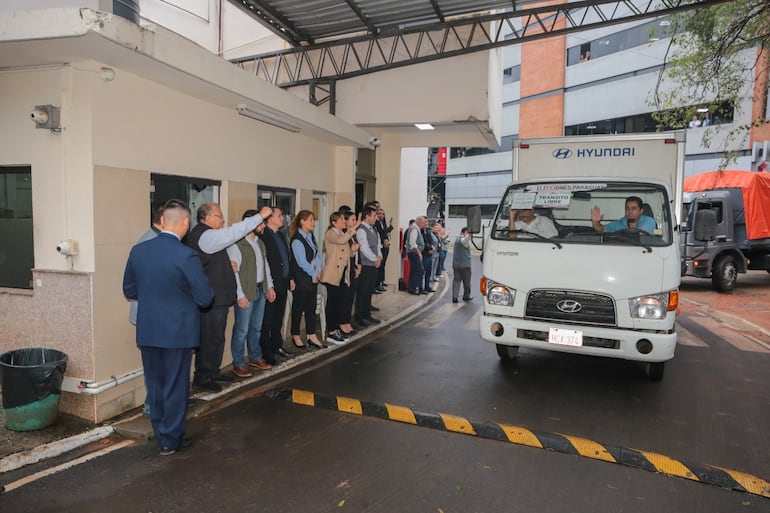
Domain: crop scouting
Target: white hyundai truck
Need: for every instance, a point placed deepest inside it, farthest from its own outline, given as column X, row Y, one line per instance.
column 587, row 275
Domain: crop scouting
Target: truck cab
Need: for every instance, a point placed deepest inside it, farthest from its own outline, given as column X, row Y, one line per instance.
column 582, row 254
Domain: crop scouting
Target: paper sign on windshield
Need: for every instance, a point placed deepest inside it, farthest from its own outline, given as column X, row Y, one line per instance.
column 523, row 200
column 552, row 200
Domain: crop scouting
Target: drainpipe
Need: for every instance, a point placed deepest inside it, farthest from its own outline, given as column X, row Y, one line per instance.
column 80, row 386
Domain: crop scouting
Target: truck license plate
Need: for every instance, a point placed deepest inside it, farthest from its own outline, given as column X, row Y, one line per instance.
column 565, row 337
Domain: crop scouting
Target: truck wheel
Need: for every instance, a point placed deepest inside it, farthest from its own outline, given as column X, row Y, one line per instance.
column 655, row 370
column 507, row 352
column 725, row 274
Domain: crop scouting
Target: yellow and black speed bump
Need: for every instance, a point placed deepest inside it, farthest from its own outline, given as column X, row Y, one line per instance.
column 654, row 462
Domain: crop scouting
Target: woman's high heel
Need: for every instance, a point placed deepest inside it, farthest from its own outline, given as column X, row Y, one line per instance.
column 298, row 346
column 318, row 346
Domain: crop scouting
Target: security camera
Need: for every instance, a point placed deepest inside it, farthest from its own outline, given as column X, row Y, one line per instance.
column 375, row 141
column 67, row 247
column 46, row 116
column 39, row 116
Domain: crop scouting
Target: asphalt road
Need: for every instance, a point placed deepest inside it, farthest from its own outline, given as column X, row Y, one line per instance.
column 263, row 454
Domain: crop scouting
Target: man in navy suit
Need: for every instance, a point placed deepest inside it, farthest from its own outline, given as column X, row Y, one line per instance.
column 167, row 279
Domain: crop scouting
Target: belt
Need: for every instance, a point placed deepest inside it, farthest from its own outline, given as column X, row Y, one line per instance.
column 259, row 285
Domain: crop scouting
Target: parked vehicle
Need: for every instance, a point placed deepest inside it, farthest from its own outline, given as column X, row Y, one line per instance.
column 602, row 293
column 726, row 226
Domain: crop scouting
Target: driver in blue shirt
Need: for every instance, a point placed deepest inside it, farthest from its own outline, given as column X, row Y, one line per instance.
column 633, row 220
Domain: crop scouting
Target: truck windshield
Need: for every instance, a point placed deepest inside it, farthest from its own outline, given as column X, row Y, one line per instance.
column 613, row 213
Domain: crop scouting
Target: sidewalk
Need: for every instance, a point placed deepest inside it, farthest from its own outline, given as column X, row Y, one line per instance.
column 18, row 449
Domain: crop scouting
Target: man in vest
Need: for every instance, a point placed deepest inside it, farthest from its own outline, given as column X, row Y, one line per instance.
column 461, row 266
column 254, row 284
column 414, row 245
column 370, row 256
column 210, row 239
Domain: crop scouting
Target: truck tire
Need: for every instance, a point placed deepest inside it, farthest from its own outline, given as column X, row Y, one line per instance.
column 654, row 370
column 724, row 274
column 507, row 352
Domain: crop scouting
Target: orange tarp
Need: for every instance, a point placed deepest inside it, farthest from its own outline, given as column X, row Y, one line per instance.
column 756, row 195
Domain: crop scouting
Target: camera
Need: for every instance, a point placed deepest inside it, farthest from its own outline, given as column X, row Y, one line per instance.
column 375, row 141
column 39, row 116
column 67, row 247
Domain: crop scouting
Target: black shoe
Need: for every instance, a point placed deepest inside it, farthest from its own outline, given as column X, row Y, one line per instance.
column 468, row 298
column 209, row 386
column 454, row 300
column 270, row 360
column 429, row 291
column 424, row 292
column 362, row 322
column 222, row 378
column 336, row 337
column 310, row 343
column 167, row 451
column 377, row 291
column 381, row 289
column 414, row 293
column 372, row 320
column 374, row 309
column 283, row 352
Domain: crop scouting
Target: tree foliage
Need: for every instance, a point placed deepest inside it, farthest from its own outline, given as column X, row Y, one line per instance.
column 712, row 61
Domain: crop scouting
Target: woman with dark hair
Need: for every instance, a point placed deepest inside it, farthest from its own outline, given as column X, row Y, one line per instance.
column 352, row 273
column 306, row 268
column 335, row 275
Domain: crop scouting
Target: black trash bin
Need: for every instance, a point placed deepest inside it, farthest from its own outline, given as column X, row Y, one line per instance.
column 31, row 381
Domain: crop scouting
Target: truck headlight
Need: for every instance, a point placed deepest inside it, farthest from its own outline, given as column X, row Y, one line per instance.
column 500, row 294
column 652, row 306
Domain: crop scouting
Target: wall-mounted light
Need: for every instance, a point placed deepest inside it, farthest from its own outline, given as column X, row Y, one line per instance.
column 424, row 126
column 46, row 116
column 270, row 119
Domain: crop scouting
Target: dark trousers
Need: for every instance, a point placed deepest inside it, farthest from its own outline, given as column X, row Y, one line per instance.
column 208, row 359
column 381, row 269
column 271, row 339
column 303, row 303
column 427, row 264
column 461, row 275
column 366, row 285
column 335, row 296
column 416, row 271
column 167, row 377
column 346, row 309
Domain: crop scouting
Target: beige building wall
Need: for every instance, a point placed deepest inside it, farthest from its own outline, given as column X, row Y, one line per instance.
column 91, row 183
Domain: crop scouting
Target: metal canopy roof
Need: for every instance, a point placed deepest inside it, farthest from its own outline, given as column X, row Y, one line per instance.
column 308, row 22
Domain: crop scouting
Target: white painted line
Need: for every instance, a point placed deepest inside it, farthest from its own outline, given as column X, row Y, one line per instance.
column 67, row 465
column 685, row 337
column 53, row 449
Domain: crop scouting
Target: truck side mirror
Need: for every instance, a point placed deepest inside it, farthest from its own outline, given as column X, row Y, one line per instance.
column 705, row 225
column 473, row 221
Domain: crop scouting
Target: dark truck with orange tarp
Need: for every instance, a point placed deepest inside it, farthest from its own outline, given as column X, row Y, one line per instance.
column 725, row 226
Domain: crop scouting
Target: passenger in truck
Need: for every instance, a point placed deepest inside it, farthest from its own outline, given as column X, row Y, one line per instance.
column 525, row 220
column 633, row 220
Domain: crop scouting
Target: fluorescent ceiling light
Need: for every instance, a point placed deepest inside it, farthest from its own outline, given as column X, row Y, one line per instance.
column 269, row 118
column 424, row 126
column 702, row 109
column 591, row 127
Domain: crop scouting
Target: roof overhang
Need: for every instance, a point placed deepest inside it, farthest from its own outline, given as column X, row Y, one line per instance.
column 58, row 36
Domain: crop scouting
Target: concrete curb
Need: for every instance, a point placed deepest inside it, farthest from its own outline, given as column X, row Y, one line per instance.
column 53, row 449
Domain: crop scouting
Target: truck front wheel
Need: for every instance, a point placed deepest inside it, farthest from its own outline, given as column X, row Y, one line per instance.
column 725, row 274
column 507, row 352
column 655, row 370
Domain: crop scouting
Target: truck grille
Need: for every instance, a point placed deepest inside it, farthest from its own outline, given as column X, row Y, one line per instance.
column 591, row 308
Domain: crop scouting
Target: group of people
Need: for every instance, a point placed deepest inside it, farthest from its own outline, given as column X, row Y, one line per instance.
column 183, row 282
column 426, row 248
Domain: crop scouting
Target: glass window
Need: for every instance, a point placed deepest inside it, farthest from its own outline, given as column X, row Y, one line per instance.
column 619, row 41
column 16, row 258
column 512, row 74
column 561, row 211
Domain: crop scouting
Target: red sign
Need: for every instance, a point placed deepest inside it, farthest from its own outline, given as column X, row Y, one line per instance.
column 441, row 167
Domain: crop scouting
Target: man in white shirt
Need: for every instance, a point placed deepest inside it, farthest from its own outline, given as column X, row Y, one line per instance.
column 254, row 284
column 525, row 220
